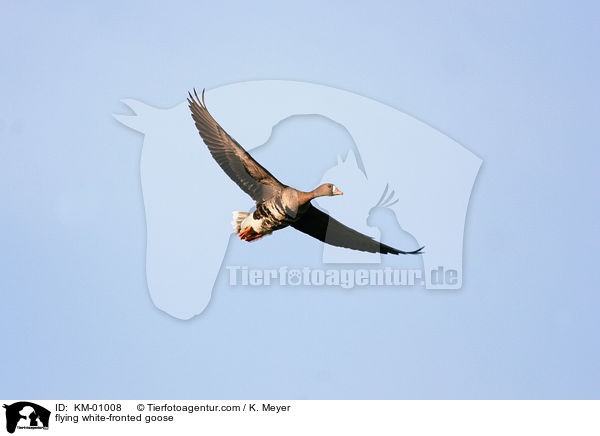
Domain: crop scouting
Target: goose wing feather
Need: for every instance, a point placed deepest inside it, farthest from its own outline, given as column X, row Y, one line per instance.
column 323, row 227
column 250, row 176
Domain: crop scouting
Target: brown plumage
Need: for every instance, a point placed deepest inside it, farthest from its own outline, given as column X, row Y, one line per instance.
column 277, row 205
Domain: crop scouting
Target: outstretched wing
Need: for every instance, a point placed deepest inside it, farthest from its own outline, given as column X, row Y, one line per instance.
column 321, row 226
column 254, row 180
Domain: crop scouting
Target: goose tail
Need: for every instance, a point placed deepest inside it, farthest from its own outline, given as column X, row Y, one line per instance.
column 238, row 217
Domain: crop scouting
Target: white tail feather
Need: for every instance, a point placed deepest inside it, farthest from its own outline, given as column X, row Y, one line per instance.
column 238, row 217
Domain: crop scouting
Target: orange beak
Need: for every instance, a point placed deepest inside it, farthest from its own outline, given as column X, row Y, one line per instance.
column 336, row 191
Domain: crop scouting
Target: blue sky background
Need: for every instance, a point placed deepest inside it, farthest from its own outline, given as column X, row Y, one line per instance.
column 515, row 82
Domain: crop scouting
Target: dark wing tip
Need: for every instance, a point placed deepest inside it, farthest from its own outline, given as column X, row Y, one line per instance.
column 323, row 227
column 419, row 251
column 386, row 249
column 194, row 100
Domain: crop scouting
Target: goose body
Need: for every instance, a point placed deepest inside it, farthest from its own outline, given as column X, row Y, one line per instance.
column 277, row 205
column 273, row 214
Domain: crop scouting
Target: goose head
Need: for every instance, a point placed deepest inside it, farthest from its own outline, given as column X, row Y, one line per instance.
column 326, row 190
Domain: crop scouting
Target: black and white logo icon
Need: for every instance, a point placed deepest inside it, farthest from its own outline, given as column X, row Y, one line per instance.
column 26, row 415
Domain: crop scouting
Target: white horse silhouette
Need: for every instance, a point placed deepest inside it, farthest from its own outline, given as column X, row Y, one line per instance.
column 188, row 224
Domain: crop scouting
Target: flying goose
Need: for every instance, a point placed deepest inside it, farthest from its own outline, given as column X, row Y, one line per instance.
column 277, row 205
